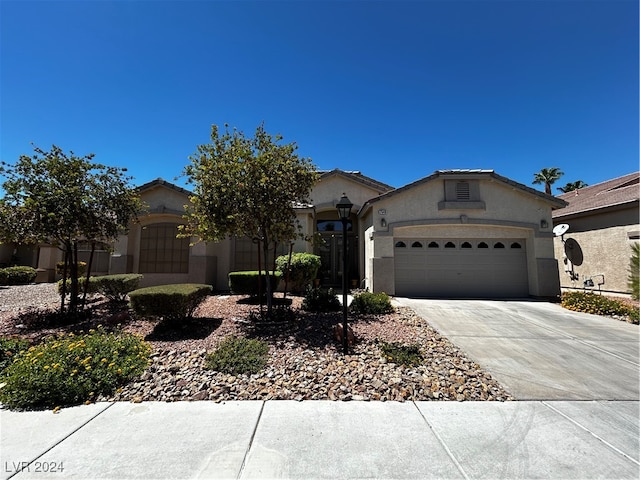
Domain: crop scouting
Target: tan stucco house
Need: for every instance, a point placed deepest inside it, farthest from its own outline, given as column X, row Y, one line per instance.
column 604, row 221
column 455, row 233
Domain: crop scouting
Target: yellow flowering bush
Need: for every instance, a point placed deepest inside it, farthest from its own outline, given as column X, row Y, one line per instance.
column 71, row 369
column 598, row 305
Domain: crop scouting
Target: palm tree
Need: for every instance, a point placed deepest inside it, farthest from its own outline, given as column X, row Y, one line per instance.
column 547, row 176
column 571, row 186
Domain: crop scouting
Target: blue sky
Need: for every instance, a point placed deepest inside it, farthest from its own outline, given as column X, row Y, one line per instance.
column 395, row 90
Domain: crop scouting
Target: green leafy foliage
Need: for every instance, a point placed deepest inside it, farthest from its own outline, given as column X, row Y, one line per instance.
column 63, row 199
column 17, row 275
column 169, row 302
column 321, row 300
column 248, row 187
column 598, row 305
column 72, row 369
column 374, row 303
column 634, row 271
column 82, row 269
column 9, row 349
column 547, row 177
column 302, row 269
column 239, row 355
column 117, row 287
column 401, row 354
column 247, row 282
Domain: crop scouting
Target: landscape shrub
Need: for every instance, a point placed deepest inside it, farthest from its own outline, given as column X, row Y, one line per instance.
column 588, row 302
column 82, row 269
column 239, row 355
column 117, row 287
column 246, row 282
column 91, row 289
column 302, row 270
column 9, row 349
column 18, row 275
column 374, row 303
column 71, row 369
column 169, row 302
column 321, row 300
column 401, row 354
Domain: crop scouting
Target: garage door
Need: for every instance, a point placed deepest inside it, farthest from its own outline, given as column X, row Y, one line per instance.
column 479, row 268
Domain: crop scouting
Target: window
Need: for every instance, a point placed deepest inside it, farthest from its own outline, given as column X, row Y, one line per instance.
column 516, row 245
column 416, row 245
column 498, row 245
column 483, row 245
column 449, row 245
column 465, row 245
column 463, row 193
column 161, row 251
column 333, row 225
column 433, row 245
column 401, row 245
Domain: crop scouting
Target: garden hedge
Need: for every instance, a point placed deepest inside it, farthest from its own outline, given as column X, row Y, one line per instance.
column 246, row 283
column 18, row 275
column 168, row 302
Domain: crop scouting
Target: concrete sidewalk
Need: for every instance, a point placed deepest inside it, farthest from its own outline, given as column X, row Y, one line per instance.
column 323, row 439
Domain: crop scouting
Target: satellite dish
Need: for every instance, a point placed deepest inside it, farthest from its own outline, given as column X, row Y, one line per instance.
column 573, row 251
column 560, row 229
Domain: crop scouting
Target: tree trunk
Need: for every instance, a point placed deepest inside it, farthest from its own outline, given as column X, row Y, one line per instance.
column 86, row 280
column 73, row 294
column 267, row 277
column 65, row 270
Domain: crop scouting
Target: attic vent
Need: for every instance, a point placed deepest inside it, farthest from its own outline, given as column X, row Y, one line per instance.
column 462, row 191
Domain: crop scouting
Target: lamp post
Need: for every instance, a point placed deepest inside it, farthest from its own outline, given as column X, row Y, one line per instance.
column 344, row 212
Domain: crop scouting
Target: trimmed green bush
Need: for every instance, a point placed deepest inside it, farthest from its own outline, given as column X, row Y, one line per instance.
column 375, row 303
column 401, row 354
column 72, row 369
column 117, row 287
column 302, row 270
column 598, row 305
column 93, row 288
column 169, row 302
column 9, row 349
column 246, row 283
column 239, row 355
column 82, row 269
column 19, row 275
column 321, row 300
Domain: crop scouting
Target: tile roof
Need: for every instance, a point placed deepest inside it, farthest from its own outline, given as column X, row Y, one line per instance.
column 358, row 177
column 619, row 191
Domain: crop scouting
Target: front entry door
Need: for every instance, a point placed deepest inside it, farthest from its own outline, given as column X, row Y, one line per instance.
column 330, row 253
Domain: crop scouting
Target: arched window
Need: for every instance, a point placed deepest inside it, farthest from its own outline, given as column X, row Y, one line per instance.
column 449, row 245
column 483, row 245
column 416, row 245
column 401, row 245
column 465, row 245
column 516, row 245
column 433, row 245
column 499, row 245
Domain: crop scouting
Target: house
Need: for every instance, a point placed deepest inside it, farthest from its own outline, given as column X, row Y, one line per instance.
column 603, row 221
column 455, row 233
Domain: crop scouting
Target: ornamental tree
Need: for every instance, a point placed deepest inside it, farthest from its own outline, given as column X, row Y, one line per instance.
column 547, row 177
column 248, row 187
column 63, row 199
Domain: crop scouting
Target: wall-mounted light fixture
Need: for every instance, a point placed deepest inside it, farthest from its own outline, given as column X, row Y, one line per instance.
column 544, row 223
column 383, row 223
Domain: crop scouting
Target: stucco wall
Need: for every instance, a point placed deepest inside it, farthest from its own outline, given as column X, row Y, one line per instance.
column 606, row 252
column 508, row 212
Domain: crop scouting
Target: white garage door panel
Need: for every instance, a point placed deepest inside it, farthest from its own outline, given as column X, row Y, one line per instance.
column 462, row 272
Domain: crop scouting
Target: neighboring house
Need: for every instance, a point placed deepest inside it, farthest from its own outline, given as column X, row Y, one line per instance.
column 604, row 220
column 455, row 233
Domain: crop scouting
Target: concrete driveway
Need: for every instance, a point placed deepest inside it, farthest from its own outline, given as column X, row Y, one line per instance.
column 539, row 350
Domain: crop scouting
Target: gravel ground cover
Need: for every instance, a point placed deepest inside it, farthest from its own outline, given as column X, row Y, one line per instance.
column 305, row 362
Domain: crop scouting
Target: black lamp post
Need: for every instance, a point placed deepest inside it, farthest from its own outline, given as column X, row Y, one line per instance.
column 344, row 211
